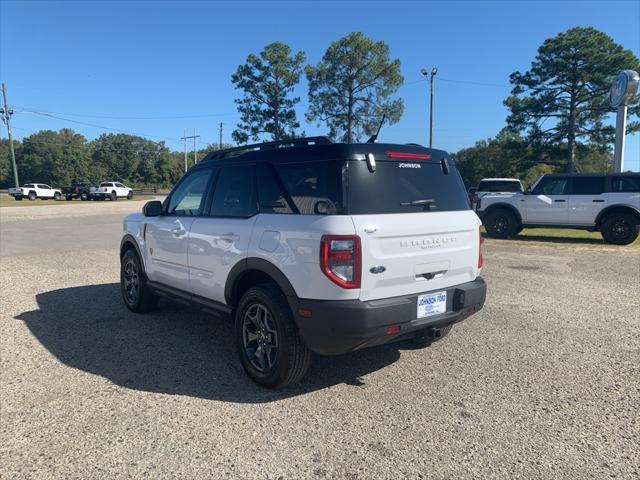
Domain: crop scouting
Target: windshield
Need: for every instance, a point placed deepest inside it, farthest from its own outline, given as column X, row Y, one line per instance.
column 405, row 187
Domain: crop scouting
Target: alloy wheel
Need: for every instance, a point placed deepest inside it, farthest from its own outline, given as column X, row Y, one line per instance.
column 131, row 282
column 260, row 337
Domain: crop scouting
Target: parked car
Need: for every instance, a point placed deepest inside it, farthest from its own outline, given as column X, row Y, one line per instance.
column 35, row 190
column 112, row 191
column 607, row 203
column 83, row 191
column 337, row 247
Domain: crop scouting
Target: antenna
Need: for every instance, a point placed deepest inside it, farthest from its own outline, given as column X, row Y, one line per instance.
column 374, row 137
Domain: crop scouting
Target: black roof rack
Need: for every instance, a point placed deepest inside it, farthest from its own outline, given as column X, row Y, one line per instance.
column 294, row 142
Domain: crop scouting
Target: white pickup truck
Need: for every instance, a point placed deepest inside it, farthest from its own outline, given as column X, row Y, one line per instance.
column 598, row 202
column 35, row 190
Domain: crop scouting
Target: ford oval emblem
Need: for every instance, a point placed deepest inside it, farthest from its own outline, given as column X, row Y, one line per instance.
column 377, row 269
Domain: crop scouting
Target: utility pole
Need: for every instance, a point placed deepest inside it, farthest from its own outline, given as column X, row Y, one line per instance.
column 220, row 142
column 425, row 72
column 6, row 115
column 195, row 152
column 184, row 139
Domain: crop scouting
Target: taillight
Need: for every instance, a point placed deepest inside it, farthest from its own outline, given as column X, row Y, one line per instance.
column 77, row 189
column 341, row 259
column 480, row 242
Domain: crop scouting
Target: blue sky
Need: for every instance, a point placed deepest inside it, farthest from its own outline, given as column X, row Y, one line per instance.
column 102, row 63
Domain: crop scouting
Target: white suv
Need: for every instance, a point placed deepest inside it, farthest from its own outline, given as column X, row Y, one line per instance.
column 608, row 203
column 311, row 246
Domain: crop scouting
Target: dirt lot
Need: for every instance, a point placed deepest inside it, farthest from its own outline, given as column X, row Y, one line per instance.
column 543, row 383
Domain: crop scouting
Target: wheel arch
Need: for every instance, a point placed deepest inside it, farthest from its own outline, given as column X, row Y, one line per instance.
column 505, row 206
column 128, row 242
column 253, row 271
column 612, row 209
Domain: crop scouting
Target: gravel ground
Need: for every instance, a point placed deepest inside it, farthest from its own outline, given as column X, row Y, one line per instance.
column 543, row 383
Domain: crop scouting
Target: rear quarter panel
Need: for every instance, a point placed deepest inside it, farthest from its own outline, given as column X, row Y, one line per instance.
column 292, row 244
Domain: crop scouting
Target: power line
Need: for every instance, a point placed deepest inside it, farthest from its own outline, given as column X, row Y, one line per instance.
column 136, row 117
column 99, row 126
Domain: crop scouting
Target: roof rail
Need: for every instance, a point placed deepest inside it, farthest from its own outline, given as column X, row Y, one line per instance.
column 217, row 154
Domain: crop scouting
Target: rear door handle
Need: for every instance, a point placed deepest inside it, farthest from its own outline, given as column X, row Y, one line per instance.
column 559, row 201
column 598, row 201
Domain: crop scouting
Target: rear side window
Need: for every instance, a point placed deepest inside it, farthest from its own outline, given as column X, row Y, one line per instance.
column 499, row 186
column 625, row 184
column 588, row 185
column 234, row 195
column 394, row 184
column 271, row 196
column 314, row 187
column 105, row 185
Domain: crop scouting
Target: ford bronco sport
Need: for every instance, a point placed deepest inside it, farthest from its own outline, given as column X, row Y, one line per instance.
column 311, row 246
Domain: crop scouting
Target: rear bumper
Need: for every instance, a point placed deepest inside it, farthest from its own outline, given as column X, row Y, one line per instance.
column 342, row 326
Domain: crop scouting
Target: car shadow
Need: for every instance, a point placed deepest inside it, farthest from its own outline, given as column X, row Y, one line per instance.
column 175, row 350
column 550, row 239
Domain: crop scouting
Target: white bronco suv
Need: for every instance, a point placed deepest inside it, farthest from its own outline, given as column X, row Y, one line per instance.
column 608, row 203
column 311, row 246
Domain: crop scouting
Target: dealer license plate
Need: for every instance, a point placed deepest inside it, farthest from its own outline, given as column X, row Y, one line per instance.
column 432, row 304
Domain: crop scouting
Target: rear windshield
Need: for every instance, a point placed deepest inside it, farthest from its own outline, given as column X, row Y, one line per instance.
column 499, row 186
column 396, row 183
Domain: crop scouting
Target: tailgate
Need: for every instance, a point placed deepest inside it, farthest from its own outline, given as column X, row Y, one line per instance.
column 416, row 252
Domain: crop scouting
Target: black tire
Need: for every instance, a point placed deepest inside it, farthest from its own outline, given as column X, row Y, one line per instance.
column 501, row 223
column 620, row 229
column 84, row 196
column 423, row 341
column 113, row 197
column 129, row 195
column 32, row 196
column 263, row 322
column 133, row 284
column 57, row 196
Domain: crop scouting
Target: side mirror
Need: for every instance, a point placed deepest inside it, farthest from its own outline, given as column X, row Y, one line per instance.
column 152, row 209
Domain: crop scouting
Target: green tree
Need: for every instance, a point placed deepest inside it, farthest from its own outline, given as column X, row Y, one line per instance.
column 350, row 89
column 563, row 97
column 55, row 158
column 132, row 159
column 267, row 82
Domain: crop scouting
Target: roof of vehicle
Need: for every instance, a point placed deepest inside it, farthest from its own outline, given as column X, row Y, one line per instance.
column 319, row 148
column 594, row 174
column 499, row 180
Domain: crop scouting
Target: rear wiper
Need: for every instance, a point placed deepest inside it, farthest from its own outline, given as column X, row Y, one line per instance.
column 426, row 203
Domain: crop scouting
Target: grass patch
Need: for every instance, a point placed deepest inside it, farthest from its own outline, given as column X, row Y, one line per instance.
column 7, row 201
